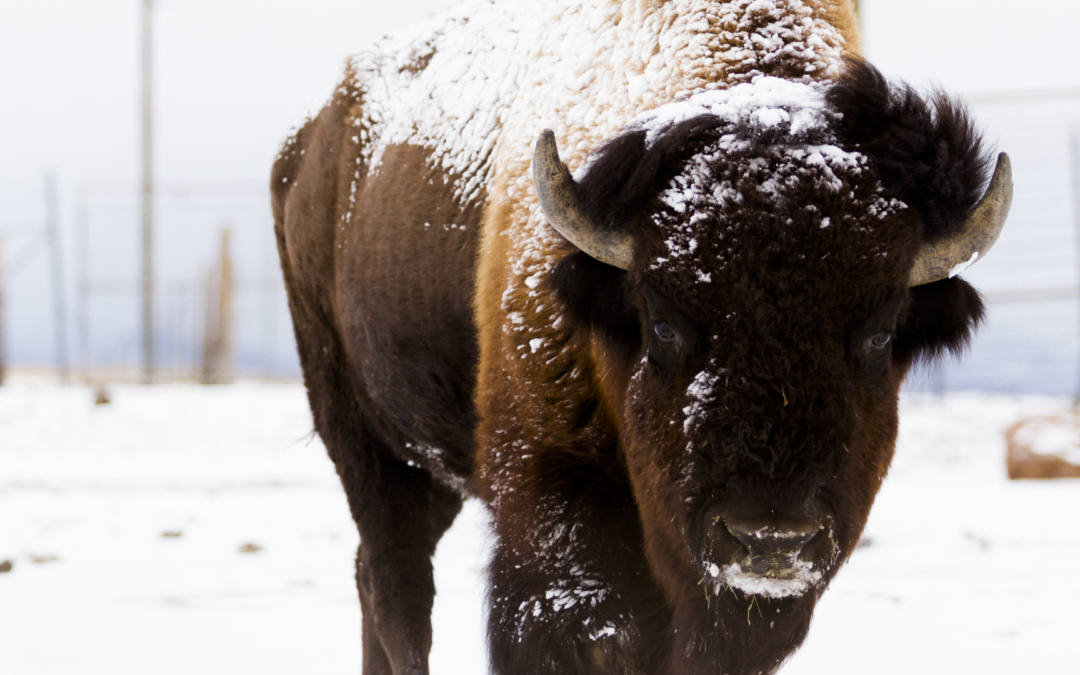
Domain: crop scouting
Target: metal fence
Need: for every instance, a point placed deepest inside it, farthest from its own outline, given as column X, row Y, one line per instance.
column 189, row 218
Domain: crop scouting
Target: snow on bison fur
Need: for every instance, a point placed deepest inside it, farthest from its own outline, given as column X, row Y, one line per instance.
column 672, row 374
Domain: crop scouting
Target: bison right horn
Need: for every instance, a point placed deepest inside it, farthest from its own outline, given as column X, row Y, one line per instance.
column 555, row 188
column 947, row 258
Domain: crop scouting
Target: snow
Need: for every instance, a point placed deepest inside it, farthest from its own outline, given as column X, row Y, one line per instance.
column 447, row 83
column 804, row 578
column 960, row 562
column 960, row 267
column 702, row 394
column 99, row 486
column 443, row 84
column 767, row 102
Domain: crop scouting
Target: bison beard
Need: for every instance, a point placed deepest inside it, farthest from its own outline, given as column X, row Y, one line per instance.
column 679, row 448
column 735, row 633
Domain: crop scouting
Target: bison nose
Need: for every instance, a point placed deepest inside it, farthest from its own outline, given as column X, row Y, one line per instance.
column 768, row 543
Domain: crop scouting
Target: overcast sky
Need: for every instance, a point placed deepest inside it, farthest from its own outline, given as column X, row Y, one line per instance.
column 233, row 76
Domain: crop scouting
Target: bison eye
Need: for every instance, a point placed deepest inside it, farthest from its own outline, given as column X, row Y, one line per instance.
column 664, row 332
column 879, row 341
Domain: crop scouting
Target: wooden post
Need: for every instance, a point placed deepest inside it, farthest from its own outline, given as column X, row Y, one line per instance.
column 209, row 326
column 225, row 310
column 217, row 335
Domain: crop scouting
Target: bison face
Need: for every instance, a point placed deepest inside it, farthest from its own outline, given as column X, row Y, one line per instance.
column 753, row 259
column 761, row 410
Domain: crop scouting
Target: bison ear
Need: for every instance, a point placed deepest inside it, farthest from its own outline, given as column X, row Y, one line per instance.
column 595, row 295
column 942, row 316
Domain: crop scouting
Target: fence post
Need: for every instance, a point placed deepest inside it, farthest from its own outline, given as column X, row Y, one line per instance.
column 217, row 335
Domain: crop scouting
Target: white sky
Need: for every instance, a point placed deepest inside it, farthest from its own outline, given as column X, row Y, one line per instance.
column 233, row 75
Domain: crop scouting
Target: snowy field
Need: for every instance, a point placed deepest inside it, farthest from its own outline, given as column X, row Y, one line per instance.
column 187, row 529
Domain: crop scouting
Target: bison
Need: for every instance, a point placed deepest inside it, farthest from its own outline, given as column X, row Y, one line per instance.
column 645, row 276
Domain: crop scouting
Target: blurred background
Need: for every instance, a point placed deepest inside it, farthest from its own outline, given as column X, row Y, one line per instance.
column 230, row 78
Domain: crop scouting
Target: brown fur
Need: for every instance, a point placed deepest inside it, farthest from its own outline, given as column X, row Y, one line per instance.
column 388, row 357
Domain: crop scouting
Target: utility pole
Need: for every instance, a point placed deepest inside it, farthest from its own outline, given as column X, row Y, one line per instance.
column 147, row 196
column 52, row 233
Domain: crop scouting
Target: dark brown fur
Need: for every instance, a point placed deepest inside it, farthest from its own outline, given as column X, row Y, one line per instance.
column 602, row 516
column 388, row 356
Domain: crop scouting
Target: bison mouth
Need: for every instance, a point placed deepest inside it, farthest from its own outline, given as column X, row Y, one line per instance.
column 766, row 554
column 790, row 582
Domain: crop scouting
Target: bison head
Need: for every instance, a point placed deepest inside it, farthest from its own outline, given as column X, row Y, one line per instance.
column 763, row 265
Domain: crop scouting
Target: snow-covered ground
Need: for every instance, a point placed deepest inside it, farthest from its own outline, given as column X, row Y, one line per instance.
column 965, row 572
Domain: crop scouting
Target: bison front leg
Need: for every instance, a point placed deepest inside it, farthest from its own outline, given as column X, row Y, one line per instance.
column 400, row 511
column 401, row 516
column 569, row 588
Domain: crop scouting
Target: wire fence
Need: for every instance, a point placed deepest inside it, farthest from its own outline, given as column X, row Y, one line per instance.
column 189, row 220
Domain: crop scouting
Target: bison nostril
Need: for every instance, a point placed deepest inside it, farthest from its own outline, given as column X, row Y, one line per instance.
column 765, row 540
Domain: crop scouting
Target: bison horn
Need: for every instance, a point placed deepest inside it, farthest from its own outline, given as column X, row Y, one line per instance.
column 944, row 259
column 555, row 188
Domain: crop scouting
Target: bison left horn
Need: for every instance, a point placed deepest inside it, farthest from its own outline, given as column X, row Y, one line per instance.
column 947, row 258
column 559, row 201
